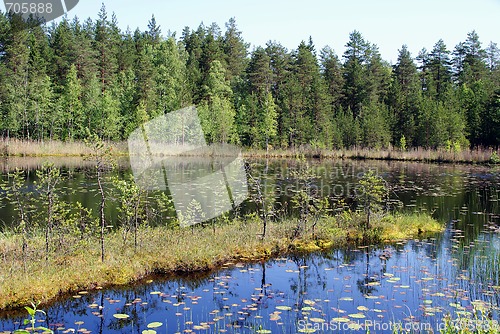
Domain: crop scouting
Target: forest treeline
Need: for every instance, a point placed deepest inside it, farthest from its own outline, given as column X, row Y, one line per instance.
column 58, row 81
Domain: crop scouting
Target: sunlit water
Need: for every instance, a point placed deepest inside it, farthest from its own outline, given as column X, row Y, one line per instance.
column 412, row 284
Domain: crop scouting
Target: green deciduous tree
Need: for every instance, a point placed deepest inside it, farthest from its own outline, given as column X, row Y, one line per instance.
column 72, row 111
column 217, row 112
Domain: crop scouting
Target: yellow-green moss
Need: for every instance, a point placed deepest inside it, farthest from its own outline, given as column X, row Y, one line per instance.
column 163, row 250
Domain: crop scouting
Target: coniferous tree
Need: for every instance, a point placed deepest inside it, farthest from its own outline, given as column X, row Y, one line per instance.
column 474, row 64
column 404, row 97
column 440, row 69
column 354, row 72
column 332, row 74
column 235, row 51
column 60, row 80
column 106, row 43
column 15, row 87
column 280, row 62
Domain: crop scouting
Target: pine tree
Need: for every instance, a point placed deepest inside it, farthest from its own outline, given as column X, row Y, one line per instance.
column 127, row 95
column 355, row 81
column 145, row 74
column 474, row 58
column 405, row 95
column 107, row 37
column 153, row 34
column 378, row 75
column 62, row 41
column 193, row 45
column 39, row 88
column 15, row 86
column 235, row 51
column 280, row 63
column 331, row 70
column 85, row 54
column 440, row 69
column 374, row 127
column 493, row 63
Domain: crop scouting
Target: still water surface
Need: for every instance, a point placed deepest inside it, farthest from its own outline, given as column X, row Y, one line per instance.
column 414, row 283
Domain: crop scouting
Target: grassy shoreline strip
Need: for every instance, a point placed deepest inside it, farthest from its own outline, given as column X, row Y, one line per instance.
column 75, row 266
column 17, row 148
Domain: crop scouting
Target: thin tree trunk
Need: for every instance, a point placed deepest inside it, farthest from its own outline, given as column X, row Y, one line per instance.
column 101, row 208
column 49, row 225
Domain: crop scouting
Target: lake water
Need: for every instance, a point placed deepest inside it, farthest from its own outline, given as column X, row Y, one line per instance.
column 411, row 284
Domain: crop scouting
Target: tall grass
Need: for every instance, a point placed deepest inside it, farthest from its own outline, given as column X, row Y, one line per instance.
column 477, row 155
column 16, row 147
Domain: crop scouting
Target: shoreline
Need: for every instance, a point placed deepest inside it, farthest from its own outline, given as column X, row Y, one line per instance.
column 199, row 250
column 18, row 148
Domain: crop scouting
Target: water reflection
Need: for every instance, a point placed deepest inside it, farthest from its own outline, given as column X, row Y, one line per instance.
column 415, row 282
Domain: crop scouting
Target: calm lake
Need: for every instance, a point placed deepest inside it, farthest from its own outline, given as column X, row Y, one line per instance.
column 413, row 284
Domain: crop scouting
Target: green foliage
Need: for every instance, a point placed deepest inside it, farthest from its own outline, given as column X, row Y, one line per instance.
column 263, row 195
column 48, row 179
column 60, row 81
column 495, row 159
column 402, row 143
column 32, row 320
column 131, row 209
column 371, row 191
column 216, row 110
column 22, row 201
column 101, row 158
column 307, row 199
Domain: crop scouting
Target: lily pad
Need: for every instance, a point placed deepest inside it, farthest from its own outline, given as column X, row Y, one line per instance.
column 121, row 316
column 349, row 299
column 155, row 324
column 283, row 308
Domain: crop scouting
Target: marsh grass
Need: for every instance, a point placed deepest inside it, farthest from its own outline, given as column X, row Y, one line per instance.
column 477, row 155
column 25, row 148
column 15, row 147
column 163, row 250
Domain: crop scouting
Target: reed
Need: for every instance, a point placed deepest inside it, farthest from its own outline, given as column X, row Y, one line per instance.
column 28, row 148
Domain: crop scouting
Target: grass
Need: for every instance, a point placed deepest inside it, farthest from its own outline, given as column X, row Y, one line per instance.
column 30, row 148
column 478, row 155
column 76, row 265
column 15, row 147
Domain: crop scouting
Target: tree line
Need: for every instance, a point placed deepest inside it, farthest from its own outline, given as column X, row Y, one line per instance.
column 61, row 80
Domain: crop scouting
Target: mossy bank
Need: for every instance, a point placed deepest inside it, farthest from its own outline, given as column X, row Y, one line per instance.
column 161, row 250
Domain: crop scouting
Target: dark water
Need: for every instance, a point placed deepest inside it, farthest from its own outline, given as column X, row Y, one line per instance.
column 413, row 284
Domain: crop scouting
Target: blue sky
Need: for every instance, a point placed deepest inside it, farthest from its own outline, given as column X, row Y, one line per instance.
column 387, row 23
